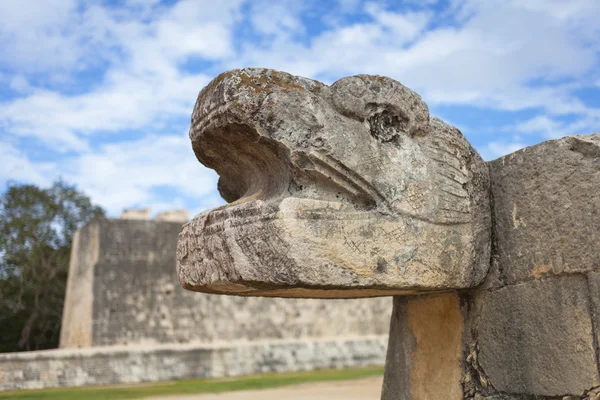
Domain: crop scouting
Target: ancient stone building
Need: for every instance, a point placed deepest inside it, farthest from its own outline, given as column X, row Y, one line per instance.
column 123, row 290
column 127, row 319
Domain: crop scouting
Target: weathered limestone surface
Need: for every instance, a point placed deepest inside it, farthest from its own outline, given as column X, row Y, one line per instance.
column 425, row 349
column 76, row 327
column 594, row 283
column 352, row 190
column 173, row 216
column 136, row 214
column 533, row 324
column 547, row 208
column 536, row 338
column 348, row 190
column 123, row 290
column 124, row 364
column 532, row 329
column 533, row 340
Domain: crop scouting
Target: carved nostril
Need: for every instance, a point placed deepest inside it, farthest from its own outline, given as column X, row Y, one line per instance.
column 386, row 125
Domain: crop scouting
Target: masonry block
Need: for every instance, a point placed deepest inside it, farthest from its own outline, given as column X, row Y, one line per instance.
column 547, row 208
column 536, row 338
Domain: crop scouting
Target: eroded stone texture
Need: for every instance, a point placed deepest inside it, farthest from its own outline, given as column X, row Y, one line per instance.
column 536, row 338
column 594, row 285
column 77, row 317
column 137, row 214
column 398, row 362
column 547, row 208
column 125, row 365
column 348, row 190
column 173, row 216
column 425, row 349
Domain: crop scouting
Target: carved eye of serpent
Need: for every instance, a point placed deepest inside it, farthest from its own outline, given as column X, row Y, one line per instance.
column 385, row 125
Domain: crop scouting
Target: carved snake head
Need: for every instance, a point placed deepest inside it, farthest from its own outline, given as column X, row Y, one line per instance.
column 348, row 190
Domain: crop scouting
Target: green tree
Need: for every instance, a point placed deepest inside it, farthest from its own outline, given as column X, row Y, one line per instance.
column 36, row 231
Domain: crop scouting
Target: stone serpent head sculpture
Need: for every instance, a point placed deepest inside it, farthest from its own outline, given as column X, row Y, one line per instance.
column 348, row 190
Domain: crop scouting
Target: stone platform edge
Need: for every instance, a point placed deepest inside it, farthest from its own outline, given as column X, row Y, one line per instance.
column 112, row 365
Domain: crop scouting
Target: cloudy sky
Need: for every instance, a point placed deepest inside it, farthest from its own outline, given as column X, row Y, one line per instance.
column 100, row 92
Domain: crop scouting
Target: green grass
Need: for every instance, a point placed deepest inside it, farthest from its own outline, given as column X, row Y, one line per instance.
column 193, row 386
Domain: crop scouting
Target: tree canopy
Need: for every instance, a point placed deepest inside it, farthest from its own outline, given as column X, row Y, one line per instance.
column 36, row 231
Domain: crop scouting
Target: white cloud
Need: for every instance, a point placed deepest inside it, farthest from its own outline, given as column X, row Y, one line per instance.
column 490, row 59
column 38, row 31
column 142, row 87
column 19, row 84
column 348, row 6
column 540, row 124
column 576, row 10
column 126, row 102
column 550, row 128
column 495, row 149
column 17, row 167
column 277, row 18
column 125, row 173
column 68, row 36
column 401, row 27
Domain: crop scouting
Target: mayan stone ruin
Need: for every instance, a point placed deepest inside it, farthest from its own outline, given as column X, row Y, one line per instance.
column 127, row 320
column 353, row 190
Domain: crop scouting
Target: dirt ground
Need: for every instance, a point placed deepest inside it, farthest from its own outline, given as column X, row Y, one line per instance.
column 360, row 389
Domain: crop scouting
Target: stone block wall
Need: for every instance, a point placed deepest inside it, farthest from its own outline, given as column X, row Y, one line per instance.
column 123, row 289
column 536, row 338
column 531, row 330
column 134, row 364
column 533, row 326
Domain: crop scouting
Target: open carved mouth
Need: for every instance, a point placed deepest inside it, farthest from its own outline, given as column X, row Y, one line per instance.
column 306, row 217
column 253, row 167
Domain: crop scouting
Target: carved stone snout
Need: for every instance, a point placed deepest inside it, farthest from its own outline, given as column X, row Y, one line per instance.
column 348, row 190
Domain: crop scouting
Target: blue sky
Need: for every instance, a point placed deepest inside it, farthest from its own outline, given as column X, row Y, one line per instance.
column 100, row 92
